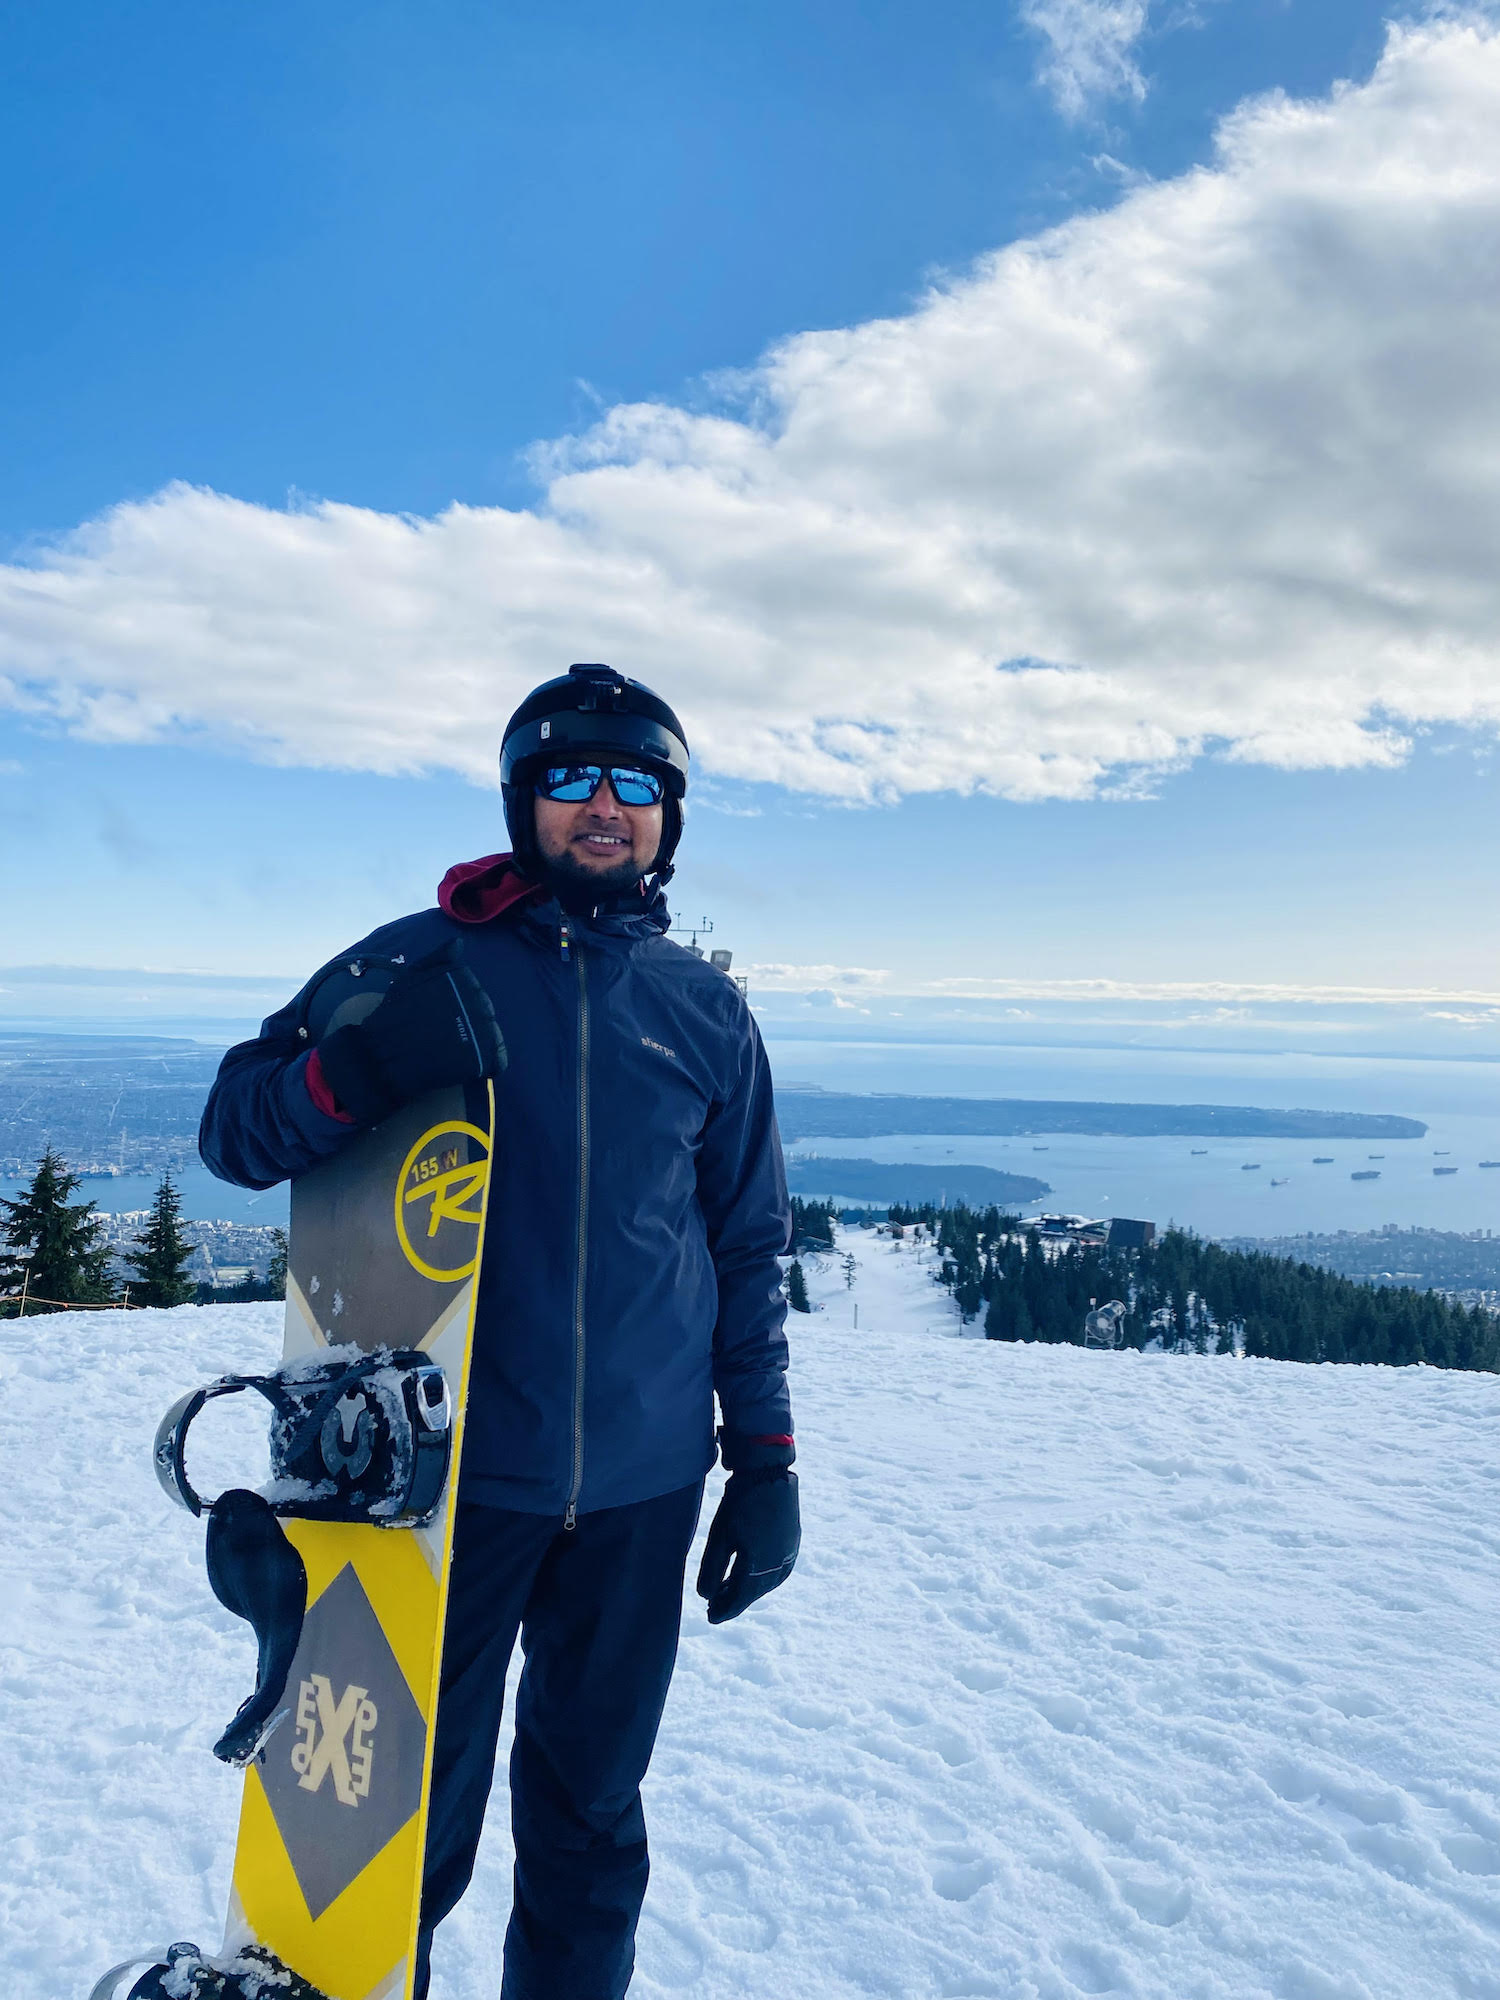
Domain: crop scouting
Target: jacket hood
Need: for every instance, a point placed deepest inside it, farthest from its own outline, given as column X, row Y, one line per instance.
column 475, row 892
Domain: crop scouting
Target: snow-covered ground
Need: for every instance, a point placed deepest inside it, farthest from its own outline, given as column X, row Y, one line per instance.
column 1099, row 1674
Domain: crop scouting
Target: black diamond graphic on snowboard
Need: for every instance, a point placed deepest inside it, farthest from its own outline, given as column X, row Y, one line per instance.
column 343, row 1773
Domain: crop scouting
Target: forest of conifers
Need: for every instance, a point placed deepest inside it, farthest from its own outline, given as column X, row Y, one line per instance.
column 1188, row 1294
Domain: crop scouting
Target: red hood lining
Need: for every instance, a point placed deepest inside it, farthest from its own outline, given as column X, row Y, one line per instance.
column 474, row 892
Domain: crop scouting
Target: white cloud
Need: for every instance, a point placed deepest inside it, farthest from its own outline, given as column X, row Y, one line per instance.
column 1217, row 471
column 794, row 978
column 138, row 975
column 1193, row 1003
column 824, row 996
column 1227, row 994
column 1088, row 49
column 1230, row 998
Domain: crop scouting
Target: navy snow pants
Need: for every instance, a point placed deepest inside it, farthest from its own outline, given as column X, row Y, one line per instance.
column 598, row 1608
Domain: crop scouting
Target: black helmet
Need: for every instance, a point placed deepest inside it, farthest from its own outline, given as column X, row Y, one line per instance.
column 592, row 713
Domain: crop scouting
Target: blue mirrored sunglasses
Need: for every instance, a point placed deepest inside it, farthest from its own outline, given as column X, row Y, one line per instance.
column 571, row 784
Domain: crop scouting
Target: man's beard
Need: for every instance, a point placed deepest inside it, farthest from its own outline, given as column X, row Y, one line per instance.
column 577, row 886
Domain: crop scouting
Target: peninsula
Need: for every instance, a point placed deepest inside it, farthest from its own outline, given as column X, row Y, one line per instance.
column 883, row 1181
column 828, row 1114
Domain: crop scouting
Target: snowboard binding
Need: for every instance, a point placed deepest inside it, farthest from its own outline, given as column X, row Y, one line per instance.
column 184, row 1973
column 257, row 1574
column 367, row 1439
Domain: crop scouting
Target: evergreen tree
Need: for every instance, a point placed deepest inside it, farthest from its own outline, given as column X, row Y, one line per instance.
column 1193, row 1296
column 812, row 1224
column 1008, row 1317
column 162, row 1254
column 61, row 1242
column 276, row 1269
column 796, row 1289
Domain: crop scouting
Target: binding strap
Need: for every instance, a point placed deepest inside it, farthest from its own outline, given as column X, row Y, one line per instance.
column 169, row 1453
column 182, row 1972
column 368, row 1440
column 105, row 1988
column 257, row 1574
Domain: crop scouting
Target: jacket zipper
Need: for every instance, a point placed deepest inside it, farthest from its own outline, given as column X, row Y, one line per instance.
column 570, row 1518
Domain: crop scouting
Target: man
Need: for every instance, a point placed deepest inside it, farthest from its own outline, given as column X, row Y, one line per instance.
column 636, row 1212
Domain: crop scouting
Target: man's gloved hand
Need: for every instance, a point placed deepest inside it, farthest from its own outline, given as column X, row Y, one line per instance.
column 435, row 1026
column 757, row 1528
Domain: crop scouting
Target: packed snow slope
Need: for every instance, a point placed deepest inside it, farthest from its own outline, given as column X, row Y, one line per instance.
column 1099, row 1674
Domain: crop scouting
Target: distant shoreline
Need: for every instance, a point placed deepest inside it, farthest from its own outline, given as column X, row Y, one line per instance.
column 881, row 1182
column 805, row 1114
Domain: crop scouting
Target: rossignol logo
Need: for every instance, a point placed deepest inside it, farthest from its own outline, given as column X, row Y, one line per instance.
column 660, row 1048
column 440, row 1200
column 334, row 1739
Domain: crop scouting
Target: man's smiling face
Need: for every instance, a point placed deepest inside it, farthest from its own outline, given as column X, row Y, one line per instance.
column 599, row 842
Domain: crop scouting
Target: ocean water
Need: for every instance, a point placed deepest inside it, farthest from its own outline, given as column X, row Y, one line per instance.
column 1159, row 1179
column 1201, row 1183
column 203, row 1198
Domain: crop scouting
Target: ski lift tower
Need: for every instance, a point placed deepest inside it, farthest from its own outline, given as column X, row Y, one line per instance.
column 719, row 959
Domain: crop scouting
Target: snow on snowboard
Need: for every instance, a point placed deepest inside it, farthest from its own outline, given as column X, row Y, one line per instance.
column 347, row 1597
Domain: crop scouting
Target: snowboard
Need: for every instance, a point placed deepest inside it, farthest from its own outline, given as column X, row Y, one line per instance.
column 383, row 1253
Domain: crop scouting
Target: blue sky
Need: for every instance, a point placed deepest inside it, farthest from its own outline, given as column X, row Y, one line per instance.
column 1118, row 608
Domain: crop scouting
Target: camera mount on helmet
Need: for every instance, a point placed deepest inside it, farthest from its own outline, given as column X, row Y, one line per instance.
column 592, row 712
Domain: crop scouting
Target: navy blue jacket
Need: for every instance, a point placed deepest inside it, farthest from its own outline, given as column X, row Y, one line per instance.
column 636, row 1139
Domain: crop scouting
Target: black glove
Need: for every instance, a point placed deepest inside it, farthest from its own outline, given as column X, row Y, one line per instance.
column 757, row 1527
column 435, row 1026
